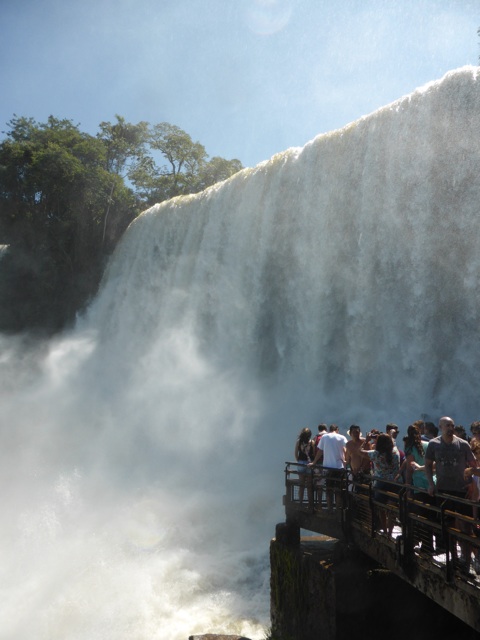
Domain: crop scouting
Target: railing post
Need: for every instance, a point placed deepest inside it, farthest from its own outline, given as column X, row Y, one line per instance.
column 373, row 522
column 406, row 552
column 345, row 520
column 449, row 569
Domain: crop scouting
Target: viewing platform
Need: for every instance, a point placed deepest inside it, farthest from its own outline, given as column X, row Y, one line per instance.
column 425, row 548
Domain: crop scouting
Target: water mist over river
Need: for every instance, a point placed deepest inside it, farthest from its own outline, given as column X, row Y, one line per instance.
column 142, row 454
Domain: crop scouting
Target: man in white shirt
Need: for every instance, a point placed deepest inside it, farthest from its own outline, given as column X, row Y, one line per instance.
column 332, row 445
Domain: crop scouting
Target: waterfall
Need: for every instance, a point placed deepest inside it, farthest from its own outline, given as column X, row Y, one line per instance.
column 142, row 453
column 350, row 264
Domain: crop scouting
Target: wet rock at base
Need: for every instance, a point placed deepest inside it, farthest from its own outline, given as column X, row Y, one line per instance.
column 215, row 636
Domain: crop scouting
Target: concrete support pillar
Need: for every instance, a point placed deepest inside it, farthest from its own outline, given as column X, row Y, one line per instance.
column 302, row 590
column 288, row 534
column 321, row 588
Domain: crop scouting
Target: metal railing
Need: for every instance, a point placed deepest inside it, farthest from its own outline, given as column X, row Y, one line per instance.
column 441, row 535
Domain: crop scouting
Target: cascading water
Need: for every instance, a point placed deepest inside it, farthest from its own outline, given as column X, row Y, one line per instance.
column 142, row 454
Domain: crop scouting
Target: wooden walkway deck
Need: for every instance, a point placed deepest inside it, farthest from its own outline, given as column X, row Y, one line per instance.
column 425, row 548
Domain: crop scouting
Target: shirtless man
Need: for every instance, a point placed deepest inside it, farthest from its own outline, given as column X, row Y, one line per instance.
column 358, row 462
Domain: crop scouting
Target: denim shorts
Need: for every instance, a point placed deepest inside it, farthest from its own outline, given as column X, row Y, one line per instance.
column 304, row 469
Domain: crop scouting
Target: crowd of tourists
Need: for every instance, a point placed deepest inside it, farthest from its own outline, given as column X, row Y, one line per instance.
column 436, row 462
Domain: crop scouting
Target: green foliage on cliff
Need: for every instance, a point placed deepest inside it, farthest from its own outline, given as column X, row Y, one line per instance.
column 66, row 197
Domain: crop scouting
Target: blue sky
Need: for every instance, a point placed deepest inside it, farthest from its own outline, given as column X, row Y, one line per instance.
column 246, row 78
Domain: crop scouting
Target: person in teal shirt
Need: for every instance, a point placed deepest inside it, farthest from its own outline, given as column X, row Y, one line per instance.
column 414, row 469
column 415, row 449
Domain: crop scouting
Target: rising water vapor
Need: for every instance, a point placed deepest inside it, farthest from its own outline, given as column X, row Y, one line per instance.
column 142, row 454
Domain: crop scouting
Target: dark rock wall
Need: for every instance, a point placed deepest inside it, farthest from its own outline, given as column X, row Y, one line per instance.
column 322, row 589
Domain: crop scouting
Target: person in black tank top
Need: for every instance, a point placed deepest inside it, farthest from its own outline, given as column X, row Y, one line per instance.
column 304, row 454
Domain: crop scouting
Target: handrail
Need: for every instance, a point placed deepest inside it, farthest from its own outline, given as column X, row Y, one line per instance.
column 431, row 536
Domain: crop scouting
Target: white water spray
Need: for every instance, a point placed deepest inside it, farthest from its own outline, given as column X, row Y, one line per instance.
column 142, row 455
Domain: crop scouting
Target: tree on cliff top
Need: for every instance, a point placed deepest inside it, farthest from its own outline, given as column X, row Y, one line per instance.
column 186, row 170
column 54, row 192
column 66, row 198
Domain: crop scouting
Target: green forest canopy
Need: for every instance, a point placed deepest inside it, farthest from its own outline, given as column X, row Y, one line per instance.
column 66, row 197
